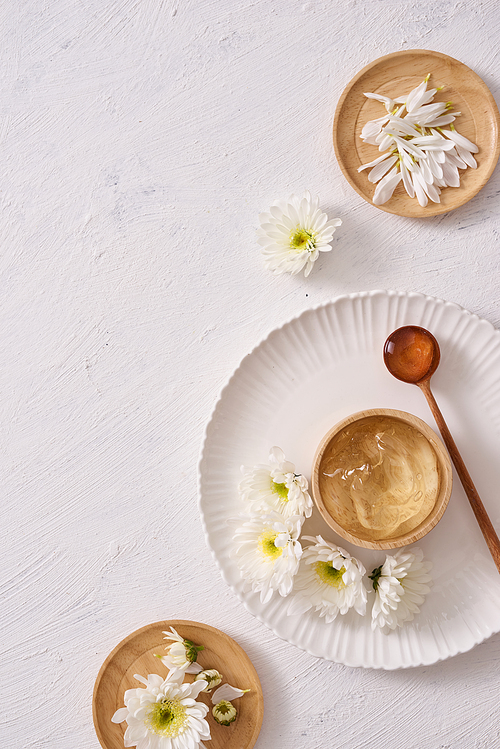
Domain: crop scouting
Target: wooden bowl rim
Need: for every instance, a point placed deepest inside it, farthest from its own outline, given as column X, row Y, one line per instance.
column 412, row 209
column 179, row 624
column 445, row 486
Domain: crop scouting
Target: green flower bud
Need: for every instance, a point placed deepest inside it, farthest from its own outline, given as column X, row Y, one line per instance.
column 224, row 712
column 211, row 676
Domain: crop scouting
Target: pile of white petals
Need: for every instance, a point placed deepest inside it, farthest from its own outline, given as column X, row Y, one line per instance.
column 415, row 148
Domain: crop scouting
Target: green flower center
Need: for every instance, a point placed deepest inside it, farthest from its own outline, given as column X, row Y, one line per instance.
column 166, row 718
column 280, row 489
column 267, row 545
column 301, row 239
column 329, row 575
column 224, row 707
column 374, row 577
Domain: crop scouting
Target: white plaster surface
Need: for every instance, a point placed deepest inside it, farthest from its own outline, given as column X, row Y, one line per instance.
column 140, row 139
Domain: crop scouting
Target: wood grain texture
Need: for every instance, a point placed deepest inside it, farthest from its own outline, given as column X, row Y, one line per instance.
column 444, row 471
column 136, row 655
column 479, row 510
column 395, row 75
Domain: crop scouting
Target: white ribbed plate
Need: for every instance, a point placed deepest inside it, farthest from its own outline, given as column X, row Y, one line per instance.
column 317, row 369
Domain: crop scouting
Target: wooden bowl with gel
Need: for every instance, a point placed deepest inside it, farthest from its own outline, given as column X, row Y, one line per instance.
column 381, row 478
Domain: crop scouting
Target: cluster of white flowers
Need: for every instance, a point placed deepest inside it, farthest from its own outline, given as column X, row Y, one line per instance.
column 330, row 580
column 293, row 233
column 415, row 148
column 322, row 576
column 164, row 714
column 266, row 542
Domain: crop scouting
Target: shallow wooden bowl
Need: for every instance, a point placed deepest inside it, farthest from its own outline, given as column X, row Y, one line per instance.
column 394, row 75
column 444, row 472
column 136, row 655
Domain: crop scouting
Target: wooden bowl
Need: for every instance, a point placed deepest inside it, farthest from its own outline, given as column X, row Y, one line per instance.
column 394, row 75
column 136, row 655
column 331, row 509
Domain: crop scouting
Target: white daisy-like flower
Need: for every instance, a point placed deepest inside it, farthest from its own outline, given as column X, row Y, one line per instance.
column 276, row 487
column 401, row 584
column 165, row 714
column 181, row 654
column 293, row 233
column 329, row 580
column 267, row 551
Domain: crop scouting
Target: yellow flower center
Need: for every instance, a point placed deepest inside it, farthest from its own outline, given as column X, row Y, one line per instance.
column 301, row 239
column 166, row 718
column 280, row 490
column 267, row 545
column 329, row 575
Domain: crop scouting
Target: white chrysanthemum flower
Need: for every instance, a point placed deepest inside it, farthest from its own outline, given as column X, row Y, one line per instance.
column 165, row 714
column 276, row 487
column 293, row 233
column 400, row 585
column 329, row 580
column 181, row 654
column 267, row 550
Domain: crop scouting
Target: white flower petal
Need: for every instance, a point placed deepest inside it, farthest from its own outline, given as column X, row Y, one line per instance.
column 227, row 692
column 374, row 162
column 417, row 97
column 378, row 171
column 466, row 157
column 194, row 668
column 120, row 715
column 386, row 187
column 389, row 104
column 408, row 184
column 461, row 141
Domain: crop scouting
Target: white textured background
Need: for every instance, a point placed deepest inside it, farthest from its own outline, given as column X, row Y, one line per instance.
column 139, row 140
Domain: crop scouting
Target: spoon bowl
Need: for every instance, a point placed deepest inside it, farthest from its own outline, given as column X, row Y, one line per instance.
column 411, row 354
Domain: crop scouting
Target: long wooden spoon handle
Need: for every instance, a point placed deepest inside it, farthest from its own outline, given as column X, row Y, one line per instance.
column 478, row 508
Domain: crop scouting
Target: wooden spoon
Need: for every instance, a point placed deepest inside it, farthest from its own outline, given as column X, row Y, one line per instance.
column 412, row 355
